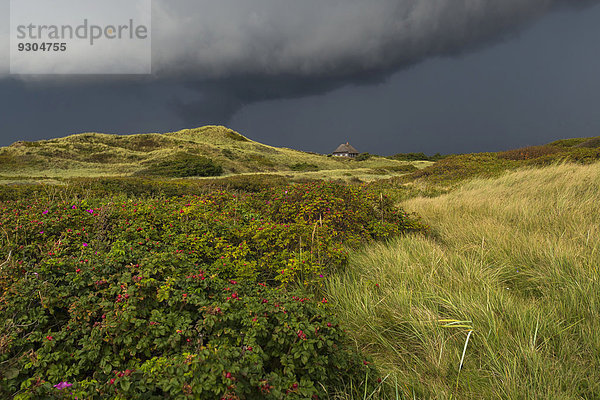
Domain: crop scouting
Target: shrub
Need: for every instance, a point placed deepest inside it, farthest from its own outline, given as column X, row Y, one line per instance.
column 363, row 157
column 168, row 297
column 164, row 329
column 304, row 167
column 229, row 154
column 528, row 153
column 580, row 155
column 568, row 142
column 416, row 157
column 183, row 165
column 259, row 161
column 591, row 143
column 455, row 168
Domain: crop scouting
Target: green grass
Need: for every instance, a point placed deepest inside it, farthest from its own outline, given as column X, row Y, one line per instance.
column 101, row 155
column 514, row 260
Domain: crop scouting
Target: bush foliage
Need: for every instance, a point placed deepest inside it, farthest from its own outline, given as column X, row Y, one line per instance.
column 183, row 165
column 182, row 296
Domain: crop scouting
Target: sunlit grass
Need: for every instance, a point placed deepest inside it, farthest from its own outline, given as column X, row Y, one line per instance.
column 96, row 154
column 514, row 260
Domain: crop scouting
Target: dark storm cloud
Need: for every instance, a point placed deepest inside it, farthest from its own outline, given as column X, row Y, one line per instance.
column 234, row 53
column 212, row 58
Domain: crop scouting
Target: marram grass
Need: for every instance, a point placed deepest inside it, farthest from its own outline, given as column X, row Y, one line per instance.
column 512, row 267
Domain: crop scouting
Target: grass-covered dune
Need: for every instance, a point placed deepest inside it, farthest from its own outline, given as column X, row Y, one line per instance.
column 96, row 154
column 508, row 287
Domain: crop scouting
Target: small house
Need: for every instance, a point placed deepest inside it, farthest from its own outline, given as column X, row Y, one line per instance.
column 345, row 150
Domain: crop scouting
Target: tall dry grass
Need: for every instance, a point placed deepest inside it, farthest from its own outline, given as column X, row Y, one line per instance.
column 514, row 264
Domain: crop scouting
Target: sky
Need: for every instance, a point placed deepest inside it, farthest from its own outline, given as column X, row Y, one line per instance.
column 389, row 76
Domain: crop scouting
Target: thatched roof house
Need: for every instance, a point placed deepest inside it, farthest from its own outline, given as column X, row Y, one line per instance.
column 345, row 150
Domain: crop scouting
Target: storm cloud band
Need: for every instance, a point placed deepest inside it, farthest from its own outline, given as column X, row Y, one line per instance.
column 231, row 53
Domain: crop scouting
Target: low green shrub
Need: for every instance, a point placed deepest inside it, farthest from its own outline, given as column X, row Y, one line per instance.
column 164, row 329
column 258, row 161
column 304, row 167
column 464, row 166
column 531, row 152
column 416, row 157
column 181, row 166
column 579, row 155
column 590, row 143
column 229, row 154
column 362, row 157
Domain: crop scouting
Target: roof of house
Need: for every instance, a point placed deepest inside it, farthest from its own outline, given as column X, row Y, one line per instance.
column 346, row 148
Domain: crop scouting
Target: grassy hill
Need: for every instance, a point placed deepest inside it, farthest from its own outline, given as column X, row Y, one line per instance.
column 96, row 154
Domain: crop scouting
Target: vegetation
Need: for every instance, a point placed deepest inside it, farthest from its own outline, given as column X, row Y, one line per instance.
column 212, row 296
column 101, row 155
column 128, row 269
column 363, row 157
column 501, row 302
column 304, row 167
column 182, row 166
column 452, row 169
column 416, row 157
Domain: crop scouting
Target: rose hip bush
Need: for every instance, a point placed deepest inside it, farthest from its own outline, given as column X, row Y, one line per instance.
column 277, row 235
column 168, row 332
column 189, row 296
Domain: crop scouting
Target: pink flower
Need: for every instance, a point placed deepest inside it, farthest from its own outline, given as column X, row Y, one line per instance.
column 45, row 212
column 85, row 245
column 63, row 385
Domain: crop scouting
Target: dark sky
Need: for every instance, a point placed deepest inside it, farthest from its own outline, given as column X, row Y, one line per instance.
column 387, row 75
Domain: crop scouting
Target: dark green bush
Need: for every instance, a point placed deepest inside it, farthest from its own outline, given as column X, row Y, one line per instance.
column 229, row 154
column 304, row 167
column 416, row 157
column 164, row 329
column 183, row 165
column 258, row 161
column 363, row 157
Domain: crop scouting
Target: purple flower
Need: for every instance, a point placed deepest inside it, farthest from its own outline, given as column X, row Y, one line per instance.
column 63, row 385
column 45, row 212
column 90, row 211
column 85, row 245
column 74, row 207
